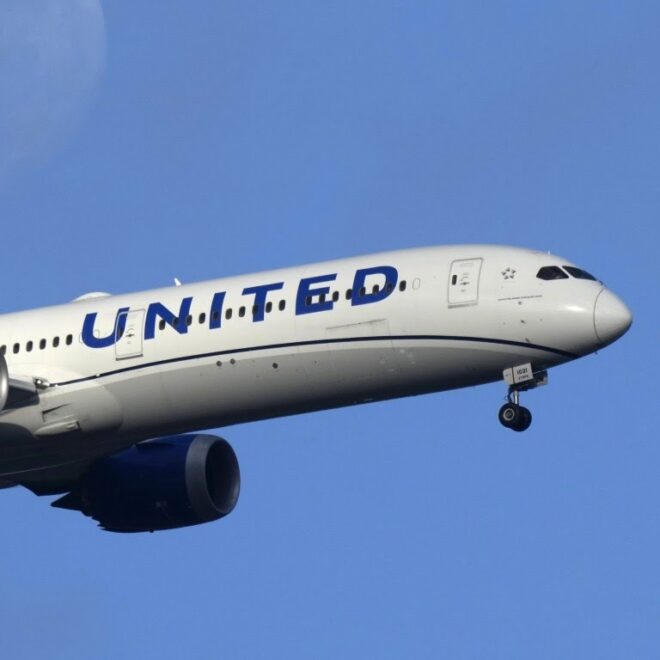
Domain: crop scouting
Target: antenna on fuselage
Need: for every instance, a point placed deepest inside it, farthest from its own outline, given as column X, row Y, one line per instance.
column 177, row 282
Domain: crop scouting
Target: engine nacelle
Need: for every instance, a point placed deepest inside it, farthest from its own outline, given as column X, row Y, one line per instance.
column 4, row 382
column 160, row 484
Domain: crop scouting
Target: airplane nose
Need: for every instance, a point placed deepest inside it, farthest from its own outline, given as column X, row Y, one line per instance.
column 612, row 318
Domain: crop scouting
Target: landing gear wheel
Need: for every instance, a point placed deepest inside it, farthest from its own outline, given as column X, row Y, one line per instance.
column 509, row 415
column 525, row 420
column 514, row 416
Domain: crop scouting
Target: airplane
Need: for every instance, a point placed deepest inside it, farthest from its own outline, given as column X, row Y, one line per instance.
column 102, row 399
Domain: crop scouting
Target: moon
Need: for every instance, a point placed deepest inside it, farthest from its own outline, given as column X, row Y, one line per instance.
column 52, row 55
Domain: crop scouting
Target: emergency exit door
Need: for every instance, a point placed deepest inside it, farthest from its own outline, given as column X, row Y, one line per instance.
column 129, row 334
column 464, row 282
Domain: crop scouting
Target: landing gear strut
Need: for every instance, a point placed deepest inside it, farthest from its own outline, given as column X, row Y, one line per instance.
column 519, row 379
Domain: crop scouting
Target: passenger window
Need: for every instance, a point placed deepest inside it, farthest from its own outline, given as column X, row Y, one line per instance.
column 228, row 314
column 189, row 320
column 403, row 285
column 349, row 294
column 551, row 273
column 579, row 273
column 389, row 287
column 42, row 344
column 255, row 310
column 56, row 342
column 454, row 279
column 335, row 296
column 322, row 298
column 269, row 307
column 202, row 318
column 362, row 292
column 241, row 312
column 28, row 347
column 282, row 305
column 161, row 324
column 17, row 347
column 375, row 288
column 69, row 340
column 308, row 301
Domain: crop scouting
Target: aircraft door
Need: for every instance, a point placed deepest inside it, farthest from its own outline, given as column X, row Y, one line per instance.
column 129, row 334
column 464, row 282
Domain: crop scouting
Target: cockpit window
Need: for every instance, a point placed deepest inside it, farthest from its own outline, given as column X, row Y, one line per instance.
column 579, row 273
column 551, row 273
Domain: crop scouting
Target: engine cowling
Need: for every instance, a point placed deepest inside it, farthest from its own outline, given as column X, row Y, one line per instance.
column 4, row 382
column 160, row 484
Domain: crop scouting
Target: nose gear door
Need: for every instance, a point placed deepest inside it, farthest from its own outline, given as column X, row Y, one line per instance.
column 464, row 282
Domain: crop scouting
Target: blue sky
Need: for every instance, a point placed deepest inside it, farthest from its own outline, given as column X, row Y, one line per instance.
column 227, row 137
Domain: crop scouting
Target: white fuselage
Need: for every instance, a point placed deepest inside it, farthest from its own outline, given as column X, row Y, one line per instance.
column 117, row 376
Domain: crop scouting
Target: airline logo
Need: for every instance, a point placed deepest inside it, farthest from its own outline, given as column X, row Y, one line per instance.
column 313, row 296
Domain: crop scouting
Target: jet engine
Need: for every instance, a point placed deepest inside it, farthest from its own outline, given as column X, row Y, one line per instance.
column 4, row 382
column 160, row 484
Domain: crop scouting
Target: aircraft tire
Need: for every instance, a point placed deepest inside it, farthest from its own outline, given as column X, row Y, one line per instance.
column 525, row 419
column 515, row 417
column 509, row 415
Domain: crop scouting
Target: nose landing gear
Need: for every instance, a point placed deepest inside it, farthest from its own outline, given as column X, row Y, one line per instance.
column 519, row 379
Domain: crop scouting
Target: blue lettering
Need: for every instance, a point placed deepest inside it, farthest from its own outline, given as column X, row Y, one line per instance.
column 91, row 340
column 179, row 323
column 216, row 310
column 260, row 293
column 311, row 297
column 305, row 299
column 361, row 296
